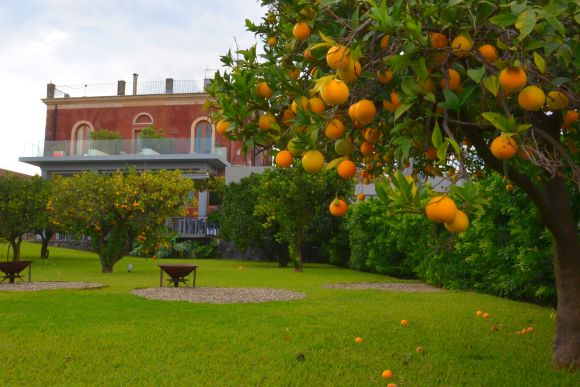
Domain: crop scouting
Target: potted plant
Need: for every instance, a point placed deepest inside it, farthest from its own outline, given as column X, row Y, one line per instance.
column 154, row 138
column 105, row 141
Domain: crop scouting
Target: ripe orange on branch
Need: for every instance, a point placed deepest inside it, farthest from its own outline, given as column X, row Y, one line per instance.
column 338, row 57
column 512, row 79
column 346, row 169
column 313, row 161
column 441, row 209
column 384, row 77
column 351, row 72
column 556, row 100
column 334, row 129
column 335, row 92
column 301, row 31
column 504, row 147
column 460, row 46
column 394, row 103
column 460, row 223
column 338, row 207
column 263, row 90
column 452, row 81
column 531, row 98
column 438, row 40
column 488, row 52
column 284, row 159
column 222, row 126
column 265, row 122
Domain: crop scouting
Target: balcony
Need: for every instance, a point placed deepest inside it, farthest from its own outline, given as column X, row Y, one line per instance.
column 67, row 157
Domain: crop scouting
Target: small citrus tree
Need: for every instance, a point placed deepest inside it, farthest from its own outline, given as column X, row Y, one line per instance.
column 441, row 87
column 114, row 210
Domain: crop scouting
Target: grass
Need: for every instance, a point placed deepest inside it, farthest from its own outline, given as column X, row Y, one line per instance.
column 110, row 337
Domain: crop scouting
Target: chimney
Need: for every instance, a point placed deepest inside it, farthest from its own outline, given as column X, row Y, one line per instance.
column 169, row 86
column 135, row 83
column 121, row 87
column 50, row 90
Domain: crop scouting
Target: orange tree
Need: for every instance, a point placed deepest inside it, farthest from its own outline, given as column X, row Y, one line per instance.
column 115, row 210
column 443, row 87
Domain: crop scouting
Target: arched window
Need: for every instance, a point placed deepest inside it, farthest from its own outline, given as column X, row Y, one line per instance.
column 203, row 137
column 141, row 121
column 80, row 136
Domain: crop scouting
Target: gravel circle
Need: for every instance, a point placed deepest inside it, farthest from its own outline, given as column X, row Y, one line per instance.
column 35, row 286
column 218, row 295
column 389, row 286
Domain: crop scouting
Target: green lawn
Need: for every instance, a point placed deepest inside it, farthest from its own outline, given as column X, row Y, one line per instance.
column 110, row 337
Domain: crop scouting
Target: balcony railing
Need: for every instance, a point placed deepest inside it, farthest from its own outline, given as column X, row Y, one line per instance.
column 193, row 227
column 128, row 88
column 142, row 147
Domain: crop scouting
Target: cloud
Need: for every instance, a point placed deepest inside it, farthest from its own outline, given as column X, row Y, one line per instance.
column 102, row 41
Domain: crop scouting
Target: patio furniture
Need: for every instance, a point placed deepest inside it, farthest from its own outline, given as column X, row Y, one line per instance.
column 178, row 273
column 12, row 269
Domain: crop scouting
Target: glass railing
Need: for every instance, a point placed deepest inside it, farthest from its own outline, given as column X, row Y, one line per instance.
column 140, row 147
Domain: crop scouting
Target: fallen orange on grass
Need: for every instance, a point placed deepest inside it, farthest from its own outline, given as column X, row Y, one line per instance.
column 404, row 323
column 358, row 340
column 387, row 374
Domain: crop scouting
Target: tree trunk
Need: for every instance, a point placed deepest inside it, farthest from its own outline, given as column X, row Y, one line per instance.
column 46, row 237
column 106, row 264
column 298, row 252
column 15, row 243
column 566, row 350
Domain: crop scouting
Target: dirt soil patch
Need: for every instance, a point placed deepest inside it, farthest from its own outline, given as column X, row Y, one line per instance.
column 218, row 295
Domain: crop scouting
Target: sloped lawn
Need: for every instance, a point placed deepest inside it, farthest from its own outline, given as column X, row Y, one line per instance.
column 110, row 337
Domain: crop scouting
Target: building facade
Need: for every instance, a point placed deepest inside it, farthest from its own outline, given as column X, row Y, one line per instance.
column 77, row 114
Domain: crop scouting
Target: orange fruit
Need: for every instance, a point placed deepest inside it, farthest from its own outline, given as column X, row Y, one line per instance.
column 394, row 103
column 438, row 40
column 504, row 147
column 452, row 81
column 265, row 122
column 384, row 77
column 335, row 92
column 531, row 98
column 316, row 105
column 301, row 31
column 479, row 313
column 358, row 340
column 343, row 147
column 338, row 57
column 486, row 315
column 371, row 135
column 263, row 90
column 441, row 209
column 284, row 159
column 346, row 169
column 570, row 117
column 530, row 329
column 272, row 41
column 308, row 55
column 387, row 374
column 460, row 223
column 299, row 103
column 460, row 46
column 312, row 161
column 509, row 187
column 431, row 153
column 294, row 74
column 222, row 126
column 351, row 72
column 334, row 129
column 420, row 349
column 287, row 115
column 360, row 197
column 338, row 207
column 404, row 323
column 365, row 111
column 488, row 52
column 428, row 86
column 366, row 148
column 512, row 78
column 384, row 42
column 556, row 100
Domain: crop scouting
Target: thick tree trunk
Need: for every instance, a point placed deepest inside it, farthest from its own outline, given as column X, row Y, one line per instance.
column 106, row 264
column 15, row 243
column 46, row 237
column 566, row 351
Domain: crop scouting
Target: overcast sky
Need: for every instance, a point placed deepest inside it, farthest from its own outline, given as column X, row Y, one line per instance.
column 71, row 42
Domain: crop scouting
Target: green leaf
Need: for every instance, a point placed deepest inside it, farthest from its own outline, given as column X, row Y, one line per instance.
column 436, row 136
column 491, row 83
column 382, row 190
column 442, row 151
column 525, row 23
column 405, row 144
column 556, row 24
column 540, row 62
column 402, row 109
column 464, row 96
column 454, row 144
column 503, row 20
column 451, row 100
column 476, row 74
column 430, row 97
column 499, row 121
